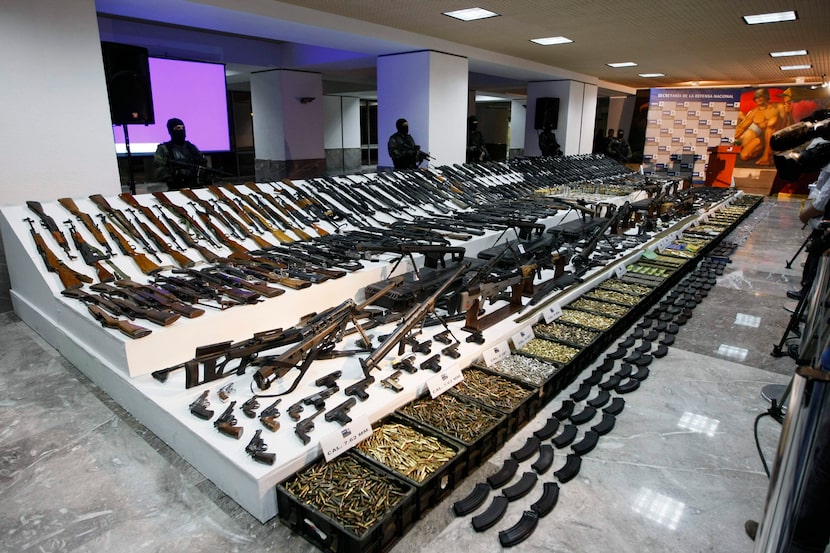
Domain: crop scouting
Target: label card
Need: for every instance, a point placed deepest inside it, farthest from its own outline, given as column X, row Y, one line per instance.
column 347, row 437
column 523, row 337
column 444, row 380
column 499, row 352
column 552, row 312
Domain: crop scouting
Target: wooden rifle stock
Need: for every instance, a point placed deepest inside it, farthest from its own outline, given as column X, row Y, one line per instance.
column 181, row 259
column 251, row 209
column 144, row 263
column 182, row 212
column 125, row 327
column 68, row 277
column 70, row 205
column 51, row 226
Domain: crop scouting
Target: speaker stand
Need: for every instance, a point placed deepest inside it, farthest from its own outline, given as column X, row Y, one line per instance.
column 130, row 177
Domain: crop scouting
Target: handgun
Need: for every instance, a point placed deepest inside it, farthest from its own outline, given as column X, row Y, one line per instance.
column 318, row 400
column 359, row 388
column 257, row 448
column 432, row 364
column 340, row 413
column 250, row 407
column 269, row 416
column 406, row 364
column 226, row 423
column 306, row 425
column 199, row 407
column 392, row 382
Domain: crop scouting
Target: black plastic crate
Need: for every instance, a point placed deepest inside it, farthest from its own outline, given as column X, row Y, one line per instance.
column 481, row 445
column 518, row 414
column 438, row 485
column 328, row 534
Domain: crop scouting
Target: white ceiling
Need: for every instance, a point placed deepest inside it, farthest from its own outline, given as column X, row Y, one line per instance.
column 693, row 42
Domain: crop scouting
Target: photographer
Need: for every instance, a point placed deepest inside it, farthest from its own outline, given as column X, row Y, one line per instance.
column 404, row 152
column 178, row 162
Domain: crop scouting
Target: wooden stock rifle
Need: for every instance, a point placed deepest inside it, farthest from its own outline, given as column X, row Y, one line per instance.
column 69, row 277
column 144, row 263
column 70, row 205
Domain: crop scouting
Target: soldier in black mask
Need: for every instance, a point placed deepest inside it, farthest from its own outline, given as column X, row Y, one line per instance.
column 404, row 152
column 476, row 148
column 178, row 162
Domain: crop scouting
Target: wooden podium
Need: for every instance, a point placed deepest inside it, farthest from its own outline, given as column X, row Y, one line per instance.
column 721, row 164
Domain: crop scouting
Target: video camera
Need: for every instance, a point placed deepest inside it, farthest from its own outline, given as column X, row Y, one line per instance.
column 790, row 164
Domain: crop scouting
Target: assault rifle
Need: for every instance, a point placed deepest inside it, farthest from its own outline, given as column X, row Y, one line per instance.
column 70, row 278
column 92, row 256
column 122, row 221
column 125, row 327
column 144, row 263
column 70, row 205
column 181, row 259
column 410, row 320
column 276, row 216
column 433, row 253
column 182, row 213
column 212, row 362
column 51, row 226
column 133, row 202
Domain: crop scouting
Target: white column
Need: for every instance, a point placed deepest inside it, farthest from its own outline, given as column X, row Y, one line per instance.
column 577, row 109
column 428, row 89
column 288, row 124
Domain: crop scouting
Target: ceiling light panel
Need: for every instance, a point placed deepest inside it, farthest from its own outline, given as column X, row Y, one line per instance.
column 651, row 75
column 788, row 53
column 619, row 64
column 795, row 67
column 551, row 40
column 777, row 17
column 471, row 14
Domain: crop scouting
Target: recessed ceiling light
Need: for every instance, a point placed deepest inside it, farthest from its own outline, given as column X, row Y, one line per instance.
column 471, row 14
column 650, row 75
column 551, row 40
column 794, row 67
column 622, row 64
column 777, row 17
column 788, row 53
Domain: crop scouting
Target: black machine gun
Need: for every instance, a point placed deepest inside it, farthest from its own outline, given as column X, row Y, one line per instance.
column 433, row 253
column 410, row 320
column 581, row 260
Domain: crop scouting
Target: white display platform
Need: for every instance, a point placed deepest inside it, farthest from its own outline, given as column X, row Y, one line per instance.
column 122, row 367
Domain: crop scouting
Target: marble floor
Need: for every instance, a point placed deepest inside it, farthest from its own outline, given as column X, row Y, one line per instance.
column 679, row 471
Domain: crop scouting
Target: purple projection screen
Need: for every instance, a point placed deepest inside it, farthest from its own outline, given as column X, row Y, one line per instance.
column 194, row 92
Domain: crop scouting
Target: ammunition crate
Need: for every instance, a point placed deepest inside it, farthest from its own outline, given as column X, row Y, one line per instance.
column 438, row 485
column 481, row 446
column 520, row 414
column 330, row 535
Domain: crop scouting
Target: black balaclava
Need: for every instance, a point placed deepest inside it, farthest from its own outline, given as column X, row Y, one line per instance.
column 402, row 125
column 177, row 136
column 472, row 123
